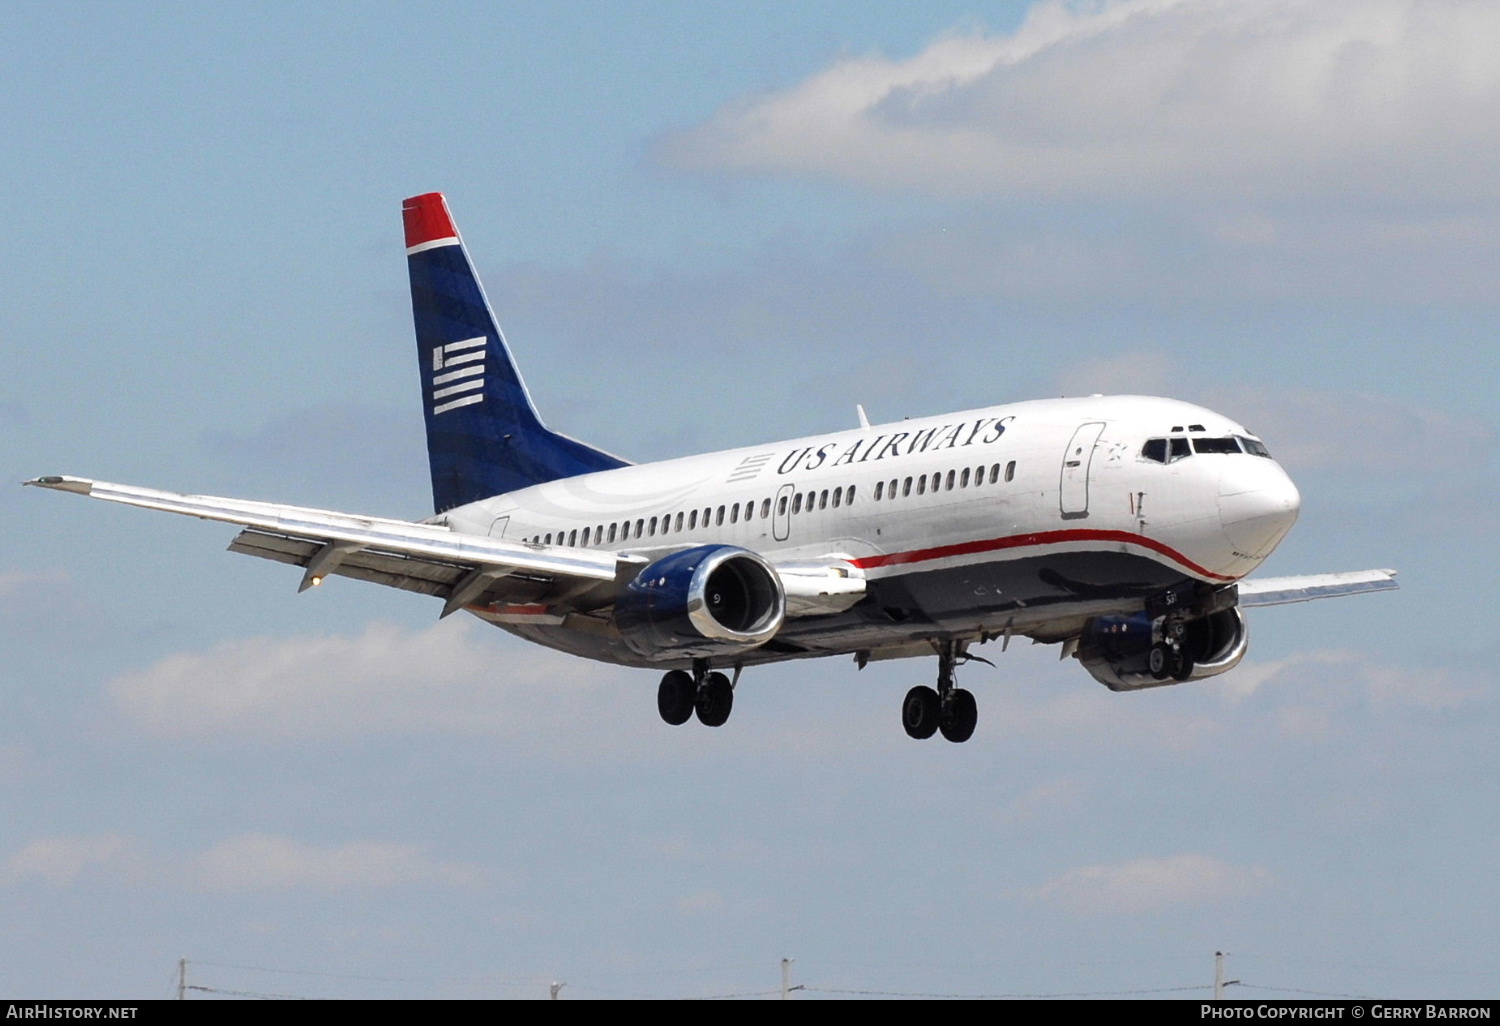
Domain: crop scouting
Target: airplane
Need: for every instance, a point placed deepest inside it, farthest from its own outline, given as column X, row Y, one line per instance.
column 1122, row 528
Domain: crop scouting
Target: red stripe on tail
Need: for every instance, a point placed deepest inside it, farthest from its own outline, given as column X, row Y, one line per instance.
column 426, row 218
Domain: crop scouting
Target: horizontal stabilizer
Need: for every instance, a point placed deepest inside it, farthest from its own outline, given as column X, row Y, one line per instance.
column 1275, row 591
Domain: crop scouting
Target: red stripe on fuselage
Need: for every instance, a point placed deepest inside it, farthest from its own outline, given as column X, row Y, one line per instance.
column 426, row 219
column 1020, row 541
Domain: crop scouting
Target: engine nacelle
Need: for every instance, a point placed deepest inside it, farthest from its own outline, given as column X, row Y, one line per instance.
column 712, row 600
column 1127, row 653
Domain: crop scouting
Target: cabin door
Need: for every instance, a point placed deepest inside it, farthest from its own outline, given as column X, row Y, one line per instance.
column 781, row 513
column 1077, row 459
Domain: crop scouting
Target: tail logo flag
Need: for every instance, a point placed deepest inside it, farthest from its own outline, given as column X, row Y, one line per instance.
column 468, row 357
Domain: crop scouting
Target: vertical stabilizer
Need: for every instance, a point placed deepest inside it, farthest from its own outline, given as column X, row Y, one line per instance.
column 483, row 433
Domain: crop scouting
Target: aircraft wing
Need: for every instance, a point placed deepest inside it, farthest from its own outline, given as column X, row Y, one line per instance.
column 427, row 558
column 1275, row 591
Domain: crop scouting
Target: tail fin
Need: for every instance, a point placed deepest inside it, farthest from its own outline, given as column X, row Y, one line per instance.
column 483, row 434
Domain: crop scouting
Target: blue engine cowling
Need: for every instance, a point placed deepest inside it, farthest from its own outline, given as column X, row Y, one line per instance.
column 1116, row 650
column 711, row 600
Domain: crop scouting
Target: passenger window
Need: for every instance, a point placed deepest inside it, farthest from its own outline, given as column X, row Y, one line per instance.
column 719, row 517
column 734, row 513
column 849, row 496
column 963, row 479
column 950, row 480
column 995, row 473
column 679, row 521
column 879, row 489
column 1010, row 471
column 823, row 499
column 573, row 538
column 638, row 525
column 781, row 506
column 906, row 488
column 693, row 520
column 922, row 485
column 797, row 503
column 585, row 538
column 765, row 508
column 612, row 533
column 549, row 538
column 838, row 495
column 653, row 527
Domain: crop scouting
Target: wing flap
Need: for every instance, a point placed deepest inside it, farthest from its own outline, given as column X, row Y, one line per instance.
column 1275, row 591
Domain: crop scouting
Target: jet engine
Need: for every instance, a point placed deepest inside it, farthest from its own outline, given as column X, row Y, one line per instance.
column 712, row 600
column 1128, row 653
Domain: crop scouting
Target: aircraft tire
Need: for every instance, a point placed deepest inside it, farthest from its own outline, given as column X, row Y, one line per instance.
column 1159, row 662
column 1182, row 665
column 715, row 700
column 920, row 712
column 960, row 716
column 675, row 697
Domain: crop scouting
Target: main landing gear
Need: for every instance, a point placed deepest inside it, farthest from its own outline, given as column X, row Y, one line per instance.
column 1169, row 657
column 947, row 708
column 710, row 695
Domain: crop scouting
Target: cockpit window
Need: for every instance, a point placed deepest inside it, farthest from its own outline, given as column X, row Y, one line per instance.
column 1165, row 450
column 1254, row 447
column 1219, row 445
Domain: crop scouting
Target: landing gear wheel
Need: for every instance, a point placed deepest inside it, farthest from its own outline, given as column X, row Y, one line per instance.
column 715, row 700
column 675, row 696
column 1159, row 661
column 920, row 712
column 1181, row 665
column 960, row 714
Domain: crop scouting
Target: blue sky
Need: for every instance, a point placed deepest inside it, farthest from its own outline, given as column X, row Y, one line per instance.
column 712, row 225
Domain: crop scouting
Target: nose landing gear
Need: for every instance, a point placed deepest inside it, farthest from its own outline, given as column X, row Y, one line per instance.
column 947, row 708
column 680, row 695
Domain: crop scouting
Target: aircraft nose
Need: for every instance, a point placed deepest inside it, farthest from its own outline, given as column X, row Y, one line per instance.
column 1258, row 504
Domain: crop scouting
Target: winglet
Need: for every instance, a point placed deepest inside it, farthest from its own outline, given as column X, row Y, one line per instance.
column 81, row 485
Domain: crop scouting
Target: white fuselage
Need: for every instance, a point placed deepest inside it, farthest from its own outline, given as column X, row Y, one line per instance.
column 959, row 515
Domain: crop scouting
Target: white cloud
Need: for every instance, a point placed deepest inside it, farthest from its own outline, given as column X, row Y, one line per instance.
column 248, row 862
column 1150, row 884
column 256, row 862
column 1326, row 678
column 453, row 677
column 63, row 860
column 1356, row 98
